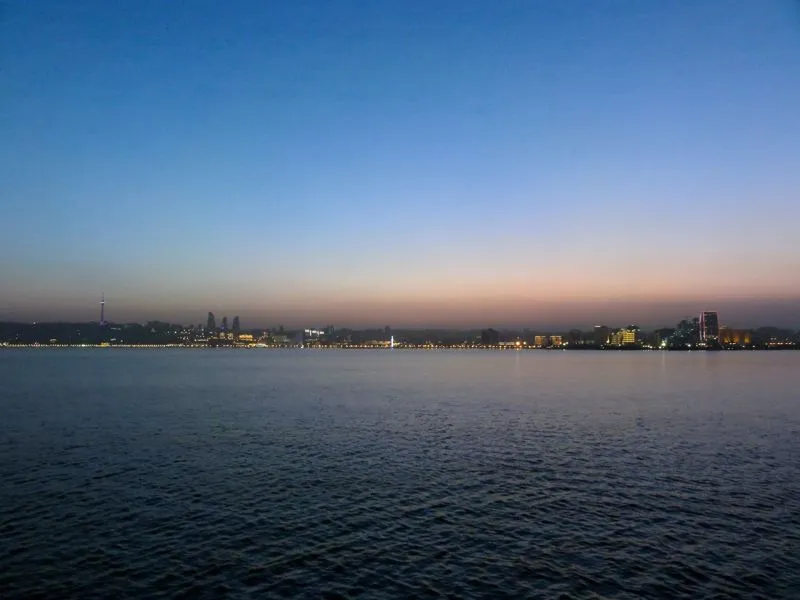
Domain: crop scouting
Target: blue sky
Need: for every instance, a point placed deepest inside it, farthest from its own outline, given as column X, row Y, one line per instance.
column 410, row 163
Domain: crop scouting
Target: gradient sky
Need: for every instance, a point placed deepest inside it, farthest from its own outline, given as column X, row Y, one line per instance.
column 440, row 163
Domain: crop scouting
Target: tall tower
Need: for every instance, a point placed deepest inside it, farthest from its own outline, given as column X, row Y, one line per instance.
column 211, row 323
column 236, row 328
column 103, row 308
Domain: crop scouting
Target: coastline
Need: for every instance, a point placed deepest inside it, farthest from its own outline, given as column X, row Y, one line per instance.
column 772, row 348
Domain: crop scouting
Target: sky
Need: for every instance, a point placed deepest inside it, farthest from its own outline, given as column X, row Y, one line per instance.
column 448, row 163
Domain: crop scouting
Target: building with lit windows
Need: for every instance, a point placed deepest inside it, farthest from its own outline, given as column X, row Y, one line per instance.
column 626, row 336
column 709, row 326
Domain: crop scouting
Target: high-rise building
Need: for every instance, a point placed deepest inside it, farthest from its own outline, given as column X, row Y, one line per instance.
column 211, row 324
column 601, row 333
column 236, row 328
column 709, row 326
column 225, row 324
column 626, row 336
column 630, row 335
column 686, row 334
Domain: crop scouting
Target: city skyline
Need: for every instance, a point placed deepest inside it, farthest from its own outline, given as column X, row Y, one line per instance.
column 303, row 320
column 505, row 164
column 691, row 333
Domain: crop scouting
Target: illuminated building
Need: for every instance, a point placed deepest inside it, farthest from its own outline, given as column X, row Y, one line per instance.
column 540, row 341
column 556, row 340
column 246, row 337
column 626, row 336
column 518, row 343
column 709, row 326
column 686, row 334
column 630, row 335
column 737, row 337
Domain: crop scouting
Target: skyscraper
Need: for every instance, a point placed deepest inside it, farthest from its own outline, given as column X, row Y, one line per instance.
column 601, row 334
column 709, row 326
column 211, row 324
column 236, row 328
column 103, row 308
column 225, row 324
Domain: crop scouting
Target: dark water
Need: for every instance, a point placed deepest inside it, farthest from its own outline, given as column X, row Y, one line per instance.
column 313, row 474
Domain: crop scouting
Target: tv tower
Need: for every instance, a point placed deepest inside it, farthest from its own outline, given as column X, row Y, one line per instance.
column 103, row 308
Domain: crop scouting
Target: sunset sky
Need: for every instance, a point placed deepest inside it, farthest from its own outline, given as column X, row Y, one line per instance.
column 418, row 163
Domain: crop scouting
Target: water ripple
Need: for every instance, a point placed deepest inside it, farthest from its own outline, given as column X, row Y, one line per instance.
column 276, row 482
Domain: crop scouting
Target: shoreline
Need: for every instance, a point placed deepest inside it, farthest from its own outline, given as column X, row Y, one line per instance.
column 777, row 347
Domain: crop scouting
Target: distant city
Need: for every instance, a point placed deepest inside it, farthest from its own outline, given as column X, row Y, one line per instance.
column 703, row 332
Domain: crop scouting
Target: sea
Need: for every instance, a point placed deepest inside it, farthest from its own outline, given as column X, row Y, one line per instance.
column 343, row 474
